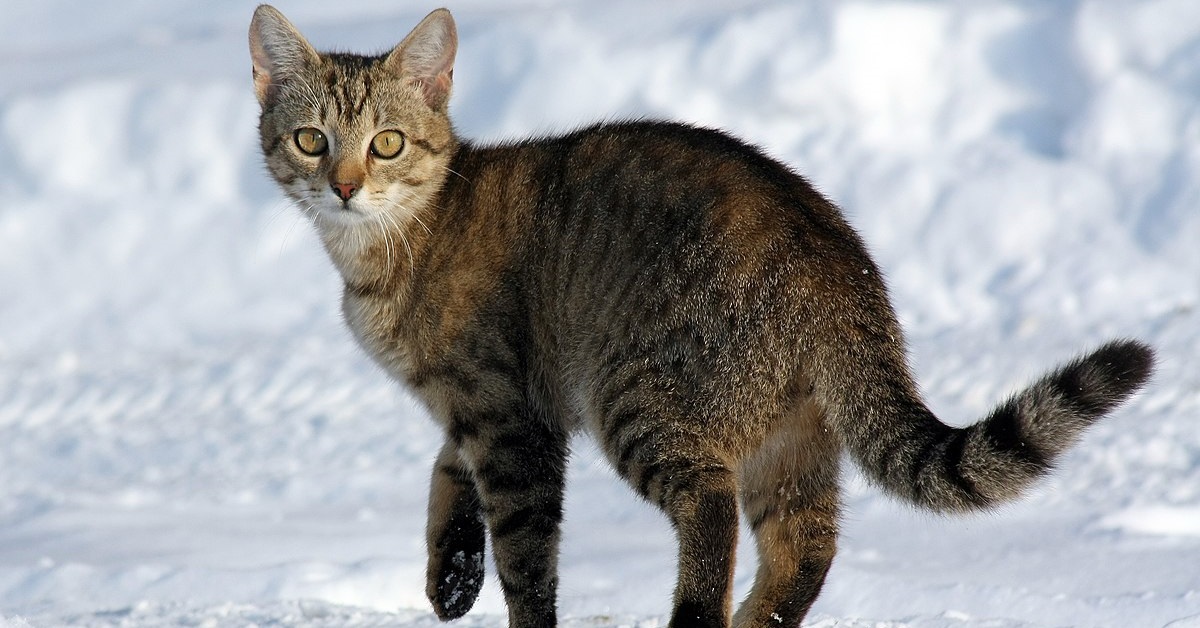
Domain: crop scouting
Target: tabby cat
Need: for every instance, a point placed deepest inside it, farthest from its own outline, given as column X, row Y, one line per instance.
column 697, row 307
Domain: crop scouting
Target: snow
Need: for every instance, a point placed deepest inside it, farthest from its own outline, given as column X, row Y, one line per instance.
column 189, row 437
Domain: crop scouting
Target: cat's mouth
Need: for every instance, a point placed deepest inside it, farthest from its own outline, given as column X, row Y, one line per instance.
column 354, row 214
column 344, row 212
column 331, row 209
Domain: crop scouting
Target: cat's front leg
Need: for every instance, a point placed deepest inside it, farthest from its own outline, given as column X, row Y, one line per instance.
column 454, row 534
column 519, row 467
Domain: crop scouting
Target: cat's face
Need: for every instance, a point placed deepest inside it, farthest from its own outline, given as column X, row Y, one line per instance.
column 355, row 140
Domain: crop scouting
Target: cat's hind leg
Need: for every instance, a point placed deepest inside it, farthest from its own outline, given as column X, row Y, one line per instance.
column 696, row 488
column 454, row 533
column 789, row 493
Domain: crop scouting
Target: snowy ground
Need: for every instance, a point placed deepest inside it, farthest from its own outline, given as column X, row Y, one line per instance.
column 188, row 436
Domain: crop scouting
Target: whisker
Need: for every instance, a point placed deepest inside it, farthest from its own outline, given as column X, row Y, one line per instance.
column 361, row 236
column 413, row 197
column 278, row 211
column 412, row 265
column 288, row 234
column 281, row 207
column 453, row 172
column 422, row 223
column 411, row 213
column 387, row 239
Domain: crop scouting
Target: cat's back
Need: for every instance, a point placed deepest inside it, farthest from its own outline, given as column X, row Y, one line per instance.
column 626, row 172
column 642, row 199
column 613, row 159
column 671, row 183
column 682, row 241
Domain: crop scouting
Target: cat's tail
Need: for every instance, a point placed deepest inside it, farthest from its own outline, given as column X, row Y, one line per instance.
column 904, row 448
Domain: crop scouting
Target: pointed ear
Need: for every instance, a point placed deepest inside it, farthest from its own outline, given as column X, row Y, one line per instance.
column 278, row 50
column 426, row 57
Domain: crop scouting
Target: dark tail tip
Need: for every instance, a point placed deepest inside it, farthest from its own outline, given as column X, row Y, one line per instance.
column 1102, row 380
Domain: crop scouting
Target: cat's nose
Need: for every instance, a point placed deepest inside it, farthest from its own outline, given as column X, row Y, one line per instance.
column 344, row 190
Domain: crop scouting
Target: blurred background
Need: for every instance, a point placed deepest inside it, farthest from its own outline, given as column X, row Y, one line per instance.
column 188, row 433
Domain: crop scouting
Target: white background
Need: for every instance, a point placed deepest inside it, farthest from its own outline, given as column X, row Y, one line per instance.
column 188, row 435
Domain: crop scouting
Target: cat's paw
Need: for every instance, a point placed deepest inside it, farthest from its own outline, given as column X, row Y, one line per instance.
column 455, row 573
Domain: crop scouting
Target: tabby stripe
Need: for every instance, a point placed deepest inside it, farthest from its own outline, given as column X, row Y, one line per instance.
column 514, row 441
column 427, row 147
column 551, row 194
column 539, row 520
column 613, row 289
column 493, row 362
column 514, row 521
column 952, row 458
column 457, row 475
column 631, row 448
column 510, row 478
column 900, row 452
column 524, row 570
column 1003, row 430
column 331, row 81
column 461, row 429
column 465, row 382
column 364, row 290
column 1086, row 393
column 347, row 97
column 522, row 588
column 362, row 103
column 648, row 474
column 692, row 479
column 679, row 481
column 620, row 386
column 617, row 420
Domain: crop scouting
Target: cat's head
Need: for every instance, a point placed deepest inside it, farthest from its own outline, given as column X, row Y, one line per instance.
column 355, row 140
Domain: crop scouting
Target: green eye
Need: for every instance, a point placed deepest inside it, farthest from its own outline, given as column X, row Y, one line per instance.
column 310, row 141
column 387, row 144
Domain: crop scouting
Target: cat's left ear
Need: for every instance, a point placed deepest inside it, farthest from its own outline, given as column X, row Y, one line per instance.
column 426, row 57
column 278, row 50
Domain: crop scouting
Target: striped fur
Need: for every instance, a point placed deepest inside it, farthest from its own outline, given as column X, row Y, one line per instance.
column 697, row 307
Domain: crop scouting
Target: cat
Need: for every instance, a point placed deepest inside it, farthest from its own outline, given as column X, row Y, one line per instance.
column 696, row 306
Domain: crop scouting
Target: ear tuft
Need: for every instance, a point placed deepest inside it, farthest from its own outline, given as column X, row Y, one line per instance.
column 426, row 57
column 279, row 52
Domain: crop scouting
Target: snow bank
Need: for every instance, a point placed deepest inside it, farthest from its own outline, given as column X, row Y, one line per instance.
column 187, row 435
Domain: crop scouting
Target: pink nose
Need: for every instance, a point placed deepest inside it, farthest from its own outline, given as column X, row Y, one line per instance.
column 344, row 190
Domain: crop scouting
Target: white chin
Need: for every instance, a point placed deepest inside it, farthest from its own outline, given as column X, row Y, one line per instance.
column 349, row 214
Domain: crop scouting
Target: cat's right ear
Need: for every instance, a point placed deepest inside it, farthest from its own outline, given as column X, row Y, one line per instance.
column 426, row 58
column 278, row 50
